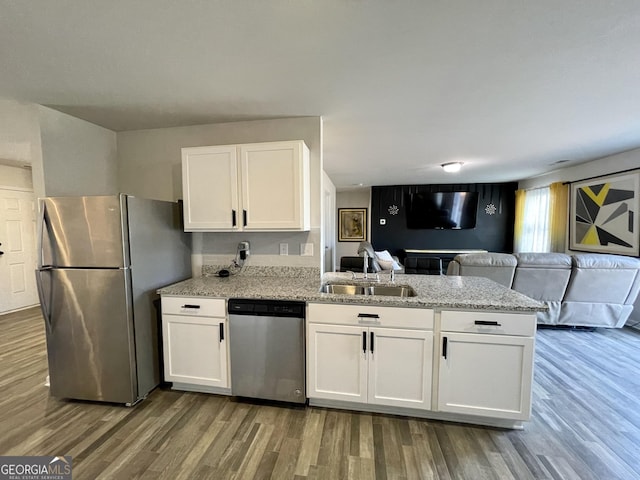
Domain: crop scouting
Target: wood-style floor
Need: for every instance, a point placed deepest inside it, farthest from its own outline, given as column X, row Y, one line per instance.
column 585, row 425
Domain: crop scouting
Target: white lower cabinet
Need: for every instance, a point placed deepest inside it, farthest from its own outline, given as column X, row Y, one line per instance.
column 400, row 365
column 336, row 363
column 361, row 363
column 486, row 364
column 194, row 341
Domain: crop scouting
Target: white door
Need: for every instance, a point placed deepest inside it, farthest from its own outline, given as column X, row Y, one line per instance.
column 328, row 230
column 17, row 242
column 274, row 178
column 400, row 366
column 337, row 362
column 210, row 188
column 486, row 375
column 195, row 350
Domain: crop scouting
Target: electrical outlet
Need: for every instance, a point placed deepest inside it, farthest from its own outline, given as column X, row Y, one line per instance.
column 284, row 249
column 306, row 249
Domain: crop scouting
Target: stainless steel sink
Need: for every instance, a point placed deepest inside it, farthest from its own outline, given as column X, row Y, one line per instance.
column 343, row 289
column 388, row 290
column 391, row 291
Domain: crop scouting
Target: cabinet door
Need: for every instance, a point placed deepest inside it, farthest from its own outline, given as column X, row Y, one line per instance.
column 400, row 365
column 275, row 186
column 195, row 350
column 210, row 188
column 486, row 375
column 337, row 362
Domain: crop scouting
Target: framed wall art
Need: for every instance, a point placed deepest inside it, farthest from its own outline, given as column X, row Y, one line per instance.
column 352, row 224
column 604, row 214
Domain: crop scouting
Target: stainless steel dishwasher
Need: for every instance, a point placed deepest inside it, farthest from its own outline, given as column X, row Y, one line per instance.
column 266, row 342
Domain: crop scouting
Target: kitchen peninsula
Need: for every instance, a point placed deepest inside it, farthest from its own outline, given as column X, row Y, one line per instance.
column 458, row 348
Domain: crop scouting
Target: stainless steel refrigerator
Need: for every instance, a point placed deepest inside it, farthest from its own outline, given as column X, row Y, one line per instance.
column 100, row 261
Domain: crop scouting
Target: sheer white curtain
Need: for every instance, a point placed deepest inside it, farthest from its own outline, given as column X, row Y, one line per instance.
column 535, row 235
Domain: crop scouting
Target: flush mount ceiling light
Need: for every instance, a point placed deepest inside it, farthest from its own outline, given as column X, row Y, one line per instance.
column 451, row 167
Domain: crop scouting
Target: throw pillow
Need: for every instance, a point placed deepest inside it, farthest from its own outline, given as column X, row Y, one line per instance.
column 386, row 261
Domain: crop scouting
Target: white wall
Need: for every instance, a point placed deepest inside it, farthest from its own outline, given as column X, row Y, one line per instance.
column 602, row 166
column 79, row 158
column 20, row 138
column 356, row 198
column 149, row 165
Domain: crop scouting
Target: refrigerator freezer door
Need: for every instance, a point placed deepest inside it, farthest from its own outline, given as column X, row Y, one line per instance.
column 83, row 232
column 160, row 255
column 90, row 334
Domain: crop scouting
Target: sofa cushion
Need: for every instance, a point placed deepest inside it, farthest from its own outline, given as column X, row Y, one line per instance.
column 601, row 260
column 499, row 267
column 487, row 259
column 542, row 276
column 547, row 260
column 603, row 278
column 387, row 261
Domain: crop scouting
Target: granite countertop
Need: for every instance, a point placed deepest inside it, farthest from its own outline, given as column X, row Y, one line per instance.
column 432, row 291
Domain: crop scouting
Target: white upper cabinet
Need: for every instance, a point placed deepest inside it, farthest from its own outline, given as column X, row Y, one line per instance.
column 210, row 188
column 249, row 187
column 275, row 185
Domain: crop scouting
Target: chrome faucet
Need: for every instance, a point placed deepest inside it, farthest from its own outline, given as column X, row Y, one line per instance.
column 365, row 267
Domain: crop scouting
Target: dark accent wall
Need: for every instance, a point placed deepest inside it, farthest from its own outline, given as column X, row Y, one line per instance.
column 492, row 232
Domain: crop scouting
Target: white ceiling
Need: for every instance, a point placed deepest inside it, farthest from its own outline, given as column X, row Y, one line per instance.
column 508, row 86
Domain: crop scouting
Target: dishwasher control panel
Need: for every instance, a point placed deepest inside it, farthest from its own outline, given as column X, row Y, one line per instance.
column 267, row 308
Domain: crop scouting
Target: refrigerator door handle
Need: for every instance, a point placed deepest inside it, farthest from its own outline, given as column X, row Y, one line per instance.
column 46, row 313
column 41, row 230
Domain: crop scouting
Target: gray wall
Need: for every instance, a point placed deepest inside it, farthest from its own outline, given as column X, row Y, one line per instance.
column 14, row 176
column 20, row 138
column 79, row 158
column 149, row 165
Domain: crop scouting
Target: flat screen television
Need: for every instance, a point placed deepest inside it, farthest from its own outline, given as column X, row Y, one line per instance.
column 442, row 210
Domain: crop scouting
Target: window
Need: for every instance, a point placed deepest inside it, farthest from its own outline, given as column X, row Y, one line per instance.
column 533, row 230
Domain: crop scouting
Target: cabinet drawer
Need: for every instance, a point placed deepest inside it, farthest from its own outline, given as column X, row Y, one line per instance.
column 194, row 306
column 520, row 324
column 416, row 318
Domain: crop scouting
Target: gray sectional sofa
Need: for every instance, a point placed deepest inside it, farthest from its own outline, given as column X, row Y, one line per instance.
column 587, row 289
